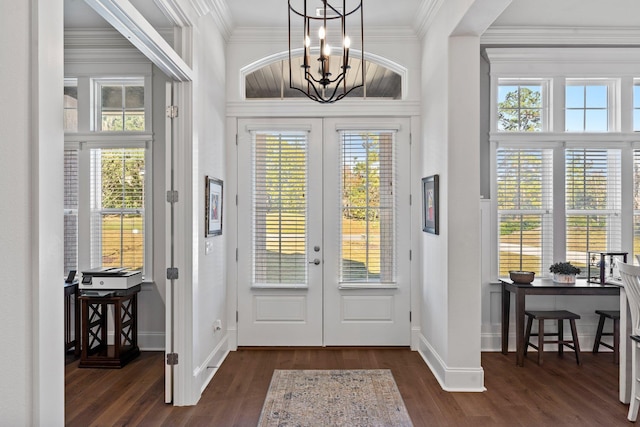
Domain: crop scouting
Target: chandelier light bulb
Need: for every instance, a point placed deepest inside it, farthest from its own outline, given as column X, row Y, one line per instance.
column 347, row 42
column 327, row 50
column 307, row 41
column 321, row 33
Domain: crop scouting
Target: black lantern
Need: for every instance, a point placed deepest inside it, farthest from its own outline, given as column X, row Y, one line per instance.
column 326, row 78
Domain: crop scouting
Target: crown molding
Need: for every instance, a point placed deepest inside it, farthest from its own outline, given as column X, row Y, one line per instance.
column 220, row 13
column 174, row 12
column 222, row 17
column 565, row 55
column 426, row 14
column 512, row 35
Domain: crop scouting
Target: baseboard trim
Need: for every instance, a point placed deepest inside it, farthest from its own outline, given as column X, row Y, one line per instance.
column 451, row 379
column 204, row 373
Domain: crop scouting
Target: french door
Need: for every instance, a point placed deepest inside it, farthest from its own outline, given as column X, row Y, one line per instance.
column 323, row 232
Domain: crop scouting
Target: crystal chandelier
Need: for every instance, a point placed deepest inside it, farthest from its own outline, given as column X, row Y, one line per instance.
column 326, row 78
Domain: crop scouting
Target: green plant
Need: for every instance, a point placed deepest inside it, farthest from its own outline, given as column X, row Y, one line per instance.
column 564, row 268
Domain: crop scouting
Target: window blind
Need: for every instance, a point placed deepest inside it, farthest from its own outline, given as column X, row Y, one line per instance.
column 117, row 207
column 70, row 210
column 280, row 181
column 524, row 196
column 593, row 202
column 368, row 207
column 636, row 201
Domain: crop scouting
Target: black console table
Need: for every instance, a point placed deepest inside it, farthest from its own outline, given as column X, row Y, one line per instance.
column 96, row 352
column 71, row 318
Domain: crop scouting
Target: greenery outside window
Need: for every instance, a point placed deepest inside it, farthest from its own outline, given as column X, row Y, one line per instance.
column 525, row 212
column 117, row 207
column 107, row 180
column 368, row 207
column 280, row 170
column 593, row 202
column 522, row 106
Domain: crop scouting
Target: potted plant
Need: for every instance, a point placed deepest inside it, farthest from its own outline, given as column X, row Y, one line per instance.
column 564, row 272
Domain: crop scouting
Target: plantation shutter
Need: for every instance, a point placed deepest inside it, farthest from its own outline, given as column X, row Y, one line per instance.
column 117, row 207
column 71, row 189
column 280, row 208
column 368, row 207
column 593, row 202
column 524, row 197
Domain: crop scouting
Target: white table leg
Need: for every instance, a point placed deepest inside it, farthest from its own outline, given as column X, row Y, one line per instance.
column 625, row 349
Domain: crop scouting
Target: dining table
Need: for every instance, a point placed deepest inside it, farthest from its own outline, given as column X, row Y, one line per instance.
column 546, row 286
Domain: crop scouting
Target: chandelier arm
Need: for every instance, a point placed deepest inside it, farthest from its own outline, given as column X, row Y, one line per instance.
column 317, row 88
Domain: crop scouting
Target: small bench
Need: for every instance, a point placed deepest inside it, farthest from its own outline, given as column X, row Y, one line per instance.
column 560, row 316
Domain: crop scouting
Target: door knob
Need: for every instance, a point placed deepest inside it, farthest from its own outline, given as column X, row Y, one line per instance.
column 315, row 261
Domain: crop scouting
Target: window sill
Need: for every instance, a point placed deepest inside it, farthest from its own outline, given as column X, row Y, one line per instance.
column 286, row 287
column 368, row 286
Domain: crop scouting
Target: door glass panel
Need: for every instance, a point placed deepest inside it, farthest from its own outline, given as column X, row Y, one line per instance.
column 280, row 208
column 367, row 207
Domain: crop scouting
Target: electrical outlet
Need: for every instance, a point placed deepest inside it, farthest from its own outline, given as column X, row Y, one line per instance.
column 217, row 325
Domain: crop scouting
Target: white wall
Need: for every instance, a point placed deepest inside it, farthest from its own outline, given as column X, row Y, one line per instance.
column 451, row 291
column 210, row 278
column 31, row 365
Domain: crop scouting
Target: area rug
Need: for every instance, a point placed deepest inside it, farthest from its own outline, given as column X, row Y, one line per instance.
column 312, row 398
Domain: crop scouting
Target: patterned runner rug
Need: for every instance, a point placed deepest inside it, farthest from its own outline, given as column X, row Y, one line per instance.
column 333, row 398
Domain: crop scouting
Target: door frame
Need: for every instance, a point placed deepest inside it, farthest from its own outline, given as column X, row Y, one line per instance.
column 376, row 115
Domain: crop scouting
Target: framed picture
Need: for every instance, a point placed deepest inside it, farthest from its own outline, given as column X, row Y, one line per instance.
column 213, row 207
column 430, row 204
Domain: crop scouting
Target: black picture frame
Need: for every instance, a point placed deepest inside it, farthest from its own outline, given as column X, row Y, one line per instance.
column 430, row 204
column 213, row 206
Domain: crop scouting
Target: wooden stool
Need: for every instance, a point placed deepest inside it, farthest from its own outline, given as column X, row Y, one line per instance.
column 560, row 316
column 615, row 316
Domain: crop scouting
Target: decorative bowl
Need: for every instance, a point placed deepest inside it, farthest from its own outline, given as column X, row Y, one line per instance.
column 521, row 276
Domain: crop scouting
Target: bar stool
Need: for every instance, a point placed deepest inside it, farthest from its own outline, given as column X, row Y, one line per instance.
column 615, row 316
column 560, row 316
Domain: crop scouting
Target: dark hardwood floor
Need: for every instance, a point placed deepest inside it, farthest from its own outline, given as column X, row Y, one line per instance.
column 559, row 393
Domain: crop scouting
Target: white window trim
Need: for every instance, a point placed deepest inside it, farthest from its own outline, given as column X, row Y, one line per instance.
column 84, row 208
column 547, row 114
column 620, row 68
column 86, row 138
column 96, row 100
column 613, row 100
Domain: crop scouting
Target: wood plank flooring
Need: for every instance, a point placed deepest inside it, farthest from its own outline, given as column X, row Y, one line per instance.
column 559, row 393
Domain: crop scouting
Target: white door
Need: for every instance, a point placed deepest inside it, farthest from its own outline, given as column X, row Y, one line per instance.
column 323, row 232
column 367, row 232
column 280, row 232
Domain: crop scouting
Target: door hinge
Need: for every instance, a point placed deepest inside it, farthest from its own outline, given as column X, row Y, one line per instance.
column 410, row 254
column 409, row 316
column 172, row 273
column 236, row 200
column 172, row 359
column 236, row 254
column 172, row 111
column 236, row 139
column 237, row 316
column 172, row 196
column 410, row 200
